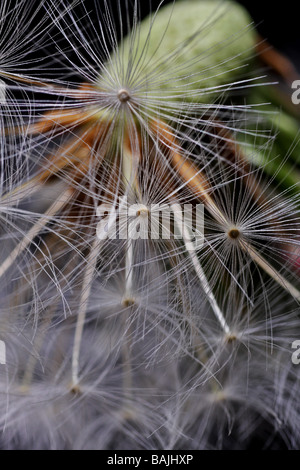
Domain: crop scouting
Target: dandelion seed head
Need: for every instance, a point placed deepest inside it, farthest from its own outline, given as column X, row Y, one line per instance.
column 145, row 342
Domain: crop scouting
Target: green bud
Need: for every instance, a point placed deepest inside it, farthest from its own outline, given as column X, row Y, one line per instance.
column 212, row 40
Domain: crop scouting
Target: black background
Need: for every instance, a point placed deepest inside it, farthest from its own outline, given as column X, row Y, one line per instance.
column 279, row 22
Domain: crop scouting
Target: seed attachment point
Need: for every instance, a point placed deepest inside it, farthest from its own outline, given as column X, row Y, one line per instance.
column 231, row 338
column 124, row 95
column 128, row 302
column 75, row 390
column 234, row 233
column 143, row 211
